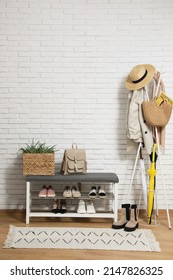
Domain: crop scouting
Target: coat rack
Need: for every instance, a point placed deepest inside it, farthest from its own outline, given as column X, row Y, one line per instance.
column 160, row 163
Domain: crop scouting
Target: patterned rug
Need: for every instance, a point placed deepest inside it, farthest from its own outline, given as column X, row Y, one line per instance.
column 81, row 238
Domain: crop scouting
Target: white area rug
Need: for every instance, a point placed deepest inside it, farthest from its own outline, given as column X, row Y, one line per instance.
column 81, row 238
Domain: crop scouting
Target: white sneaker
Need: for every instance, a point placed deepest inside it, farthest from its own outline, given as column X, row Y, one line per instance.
column 90, row 207
column 81, row 207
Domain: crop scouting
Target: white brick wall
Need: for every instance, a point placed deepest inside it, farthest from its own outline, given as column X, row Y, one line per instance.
column 63, row 64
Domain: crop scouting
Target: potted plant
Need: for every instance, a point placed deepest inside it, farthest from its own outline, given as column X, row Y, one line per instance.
column 38, row 159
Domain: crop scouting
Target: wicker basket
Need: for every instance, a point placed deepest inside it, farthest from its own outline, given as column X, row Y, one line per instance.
column 38, row 164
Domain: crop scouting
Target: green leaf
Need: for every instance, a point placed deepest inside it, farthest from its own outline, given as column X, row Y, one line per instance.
column 38, row 147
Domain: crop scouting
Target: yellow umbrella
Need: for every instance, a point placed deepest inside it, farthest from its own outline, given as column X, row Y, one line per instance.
column 152, row 173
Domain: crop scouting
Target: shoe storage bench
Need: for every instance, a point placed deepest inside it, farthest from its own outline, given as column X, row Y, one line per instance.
column 93, row 178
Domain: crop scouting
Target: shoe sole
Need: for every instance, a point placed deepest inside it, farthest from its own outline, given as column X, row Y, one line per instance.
column 118, row 227
column 92, row 196
column 76, row 195
column 131, row 229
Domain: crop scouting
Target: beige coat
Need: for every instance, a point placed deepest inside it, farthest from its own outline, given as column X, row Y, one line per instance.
column 138, row 131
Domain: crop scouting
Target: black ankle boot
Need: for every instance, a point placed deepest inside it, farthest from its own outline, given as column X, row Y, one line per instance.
column 125, row 217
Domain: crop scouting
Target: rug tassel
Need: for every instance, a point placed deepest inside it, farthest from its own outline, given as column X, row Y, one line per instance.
column 10, row 237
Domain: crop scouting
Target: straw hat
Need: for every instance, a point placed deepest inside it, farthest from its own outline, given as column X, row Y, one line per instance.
column 140, row 76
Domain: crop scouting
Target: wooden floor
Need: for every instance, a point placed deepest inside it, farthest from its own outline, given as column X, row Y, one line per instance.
column 17, row 218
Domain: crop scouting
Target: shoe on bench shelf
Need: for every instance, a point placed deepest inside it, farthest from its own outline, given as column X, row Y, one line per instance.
column 90, row 207
column 75, row 192
column 55, row 209
column 81, row 207
column 63, row 208
column 50, row 192
column 101, row 192
column 67, row 192
column 43, row 192
column 93, row 192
